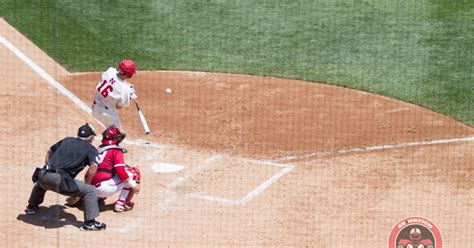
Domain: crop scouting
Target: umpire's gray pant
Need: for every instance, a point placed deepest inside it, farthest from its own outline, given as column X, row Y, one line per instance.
column 51, row 180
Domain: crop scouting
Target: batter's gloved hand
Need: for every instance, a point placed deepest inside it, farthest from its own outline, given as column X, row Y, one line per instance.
column 133, row 94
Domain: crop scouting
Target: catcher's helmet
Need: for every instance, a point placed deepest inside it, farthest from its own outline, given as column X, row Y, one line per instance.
column 112, row 136
column 127, row 67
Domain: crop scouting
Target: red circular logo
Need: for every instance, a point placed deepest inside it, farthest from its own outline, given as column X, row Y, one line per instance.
column 415, row 232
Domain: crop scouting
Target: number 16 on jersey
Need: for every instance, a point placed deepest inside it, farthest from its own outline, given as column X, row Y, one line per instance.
column 104, row 89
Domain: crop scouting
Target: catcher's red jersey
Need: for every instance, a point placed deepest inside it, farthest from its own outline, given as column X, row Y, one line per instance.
column 110, row 160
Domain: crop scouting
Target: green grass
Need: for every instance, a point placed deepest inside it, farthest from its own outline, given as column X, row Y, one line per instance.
column 418, row 51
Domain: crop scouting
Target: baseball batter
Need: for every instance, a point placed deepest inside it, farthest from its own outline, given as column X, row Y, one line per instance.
column 113, row 92
column 113, row 175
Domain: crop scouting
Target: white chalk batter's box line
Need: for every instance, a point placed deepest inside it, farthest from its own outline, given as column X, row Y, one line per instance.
column 285, row 168
column 252, row 194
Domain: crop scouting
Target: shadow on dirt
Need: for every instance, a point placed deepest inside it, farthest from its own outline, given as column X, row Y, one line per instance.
column 51, row 217
column 103, row 206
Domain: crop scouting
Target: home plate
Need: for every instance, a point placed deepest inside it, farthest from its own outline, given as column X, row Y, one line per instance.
column 166, row 168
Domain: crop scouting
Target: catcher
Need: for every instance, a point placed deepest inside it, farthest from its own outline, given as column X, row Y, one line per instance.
column 112, row 174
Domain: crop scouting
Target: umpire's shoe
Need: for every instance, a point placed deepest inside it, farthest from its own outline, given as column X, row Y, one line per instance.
column 31, row 210
column 93, row 225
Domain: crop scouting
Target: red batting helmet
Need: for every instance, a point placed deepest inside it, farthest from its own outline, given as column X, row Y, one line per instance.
column 127, row 67
column 112, row 136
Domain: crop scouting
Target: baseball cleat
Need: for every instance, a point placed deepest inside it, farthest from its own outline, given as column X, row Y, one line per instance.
column 93, row 226
column 31, row 210
column 122, row 207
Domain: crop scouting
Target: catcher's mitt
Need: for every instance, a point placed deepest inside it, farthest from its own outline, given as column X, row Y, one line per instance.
column 136, row 174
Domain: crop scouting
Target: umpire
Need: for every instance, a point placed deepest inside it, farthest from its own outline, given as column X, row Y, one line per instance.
column 64, row 161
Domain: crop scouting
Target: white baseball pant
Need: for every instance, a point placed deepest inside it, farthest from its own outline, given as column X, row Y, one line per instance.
column 112, row 186
column 108, row 117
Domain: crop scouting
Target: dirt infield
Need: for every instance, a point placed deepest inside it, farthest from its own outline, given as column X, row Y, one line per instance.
column 265, row 161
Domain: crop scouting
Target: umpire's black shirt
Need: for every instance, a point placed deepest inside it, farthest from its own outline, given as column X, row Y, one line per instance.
column 72, row 155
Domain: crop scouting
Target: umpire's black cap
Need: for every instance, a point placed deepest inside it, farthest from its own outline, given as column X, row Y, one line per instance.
column 85, row 131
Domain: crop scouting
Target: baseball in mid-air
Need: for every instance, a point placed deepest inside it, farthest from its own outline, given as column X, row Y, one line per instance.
column 168, row 90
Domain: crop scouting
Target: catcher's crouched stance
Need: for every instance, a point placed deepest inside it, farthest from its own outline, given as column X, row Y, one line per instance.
column 113, row 175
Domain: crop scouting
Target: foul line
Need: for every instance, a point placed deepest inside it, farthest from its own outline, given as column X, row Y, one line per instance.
column 45, row 75
column 372, row 148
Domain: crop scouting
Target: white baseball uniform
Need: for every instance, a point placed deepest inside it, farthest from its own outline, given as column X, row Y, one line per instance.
column 111, row 93
column 110, row 187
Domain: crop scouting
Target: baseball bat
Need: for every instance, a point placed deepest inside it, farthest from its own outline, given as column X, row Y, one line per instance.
column 142, row 119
